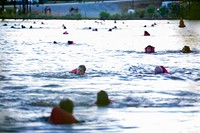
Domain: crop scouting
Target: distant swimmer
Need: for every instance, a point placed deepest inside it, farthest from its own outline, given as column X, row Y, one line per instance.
column 109, row 29
column 149, row 49
column 23, row 26
column 95, row 29
column 102, row 99
column 64, row 27
column 115, row 27
column 63, row 114
column 160, row 69
column 65, row 32
column 79, row 71
column 181, row 23
column 186, row 49
column 146, row 33
column 70, row 42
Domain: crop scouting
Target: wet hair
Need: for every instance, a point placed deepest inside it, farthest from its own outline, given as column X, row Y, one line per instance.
column 82, row 67
column 146, row 33
column 70, row 42
column 186, row 49
column 67, row 105
column 102, row 98
column 152, row 49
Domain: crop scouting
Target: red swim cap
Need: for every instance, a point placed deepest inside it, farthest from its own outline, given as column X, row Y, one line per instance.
column 164, row 69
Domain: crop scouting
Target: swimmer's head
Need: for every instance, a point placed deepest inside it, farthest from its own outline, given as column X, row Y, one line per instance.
column 158, row 69
column 81, row 70
column 186, row 49
column 67, row 105
column 149, row 49
column 102, row 98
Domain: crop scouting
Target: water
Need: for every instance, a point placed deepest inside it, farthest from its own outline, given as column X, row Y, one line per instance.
column 34, row 76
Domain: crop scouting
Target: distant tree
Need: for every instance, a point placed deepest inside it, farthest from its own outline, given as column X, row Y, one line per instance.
column 14, row 4
column 116, row 16
column 175, row 10
column 140, row 13
column 191, row 9
column 150, row 10
column 80, row 1
column 163, row 11
column 3, row 2
column 104, row 15
column 42, row 1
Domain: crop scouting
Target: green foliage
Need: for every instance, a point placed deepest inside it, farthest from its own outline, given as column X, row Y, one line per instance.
column 190, row 9
column 128, row 16
column 104, row 15
column 43, row 1
column 35, row 15
column 150, row 10
column 140, row 13
column 172, row 11
column 163, row 11
column 175, row 10
column 115, row 16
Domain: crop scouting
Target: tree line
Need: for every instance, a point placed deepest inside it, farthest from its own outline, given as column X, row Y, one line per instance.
column 187, row 9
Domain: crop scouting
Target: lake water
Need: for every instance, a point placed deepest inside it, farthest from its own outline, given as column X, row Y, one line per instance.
column 34, row 76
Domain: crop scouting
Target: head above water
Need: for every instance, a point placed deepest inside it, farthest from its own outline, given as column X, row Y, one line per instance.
column 186, row 49
column 146, row 33
column 102, row 98
column 160, row 69
column 81, row 70
column 149, row 49
column 67, row 105
column 181, row 23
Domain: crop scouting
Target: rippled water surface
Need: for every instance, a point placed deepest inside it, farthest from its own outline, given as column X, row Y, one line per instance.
column 34, row 75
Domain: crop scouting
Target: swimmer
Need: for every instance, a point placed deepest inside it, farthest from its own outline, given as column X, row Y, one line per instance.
column 95, row 29
column 102, row 99
column 109, row 29
column 79, row 71
column 186, row 49
column 63, row 114
column 65, row 32
column 70, row 42
column 149, row 49
column 146, row 33
column 64, row 27
column 181, row 23
column 160, row 69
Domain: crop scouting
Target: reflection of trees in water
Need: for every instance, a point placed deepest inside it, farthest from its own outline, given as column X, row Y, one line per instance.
column 190, row 35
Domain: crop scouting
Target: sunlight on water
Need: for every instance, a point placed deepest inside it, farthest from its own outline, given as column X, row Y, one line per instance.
column 35, row 75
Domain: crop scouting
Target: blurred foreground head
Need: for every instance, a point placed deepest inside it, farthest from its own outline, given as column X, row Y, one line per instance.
column 67, row 105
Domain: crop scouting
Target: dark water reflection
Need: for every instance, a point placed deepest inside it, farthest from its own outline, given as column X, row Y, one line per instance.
column 34, row 76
